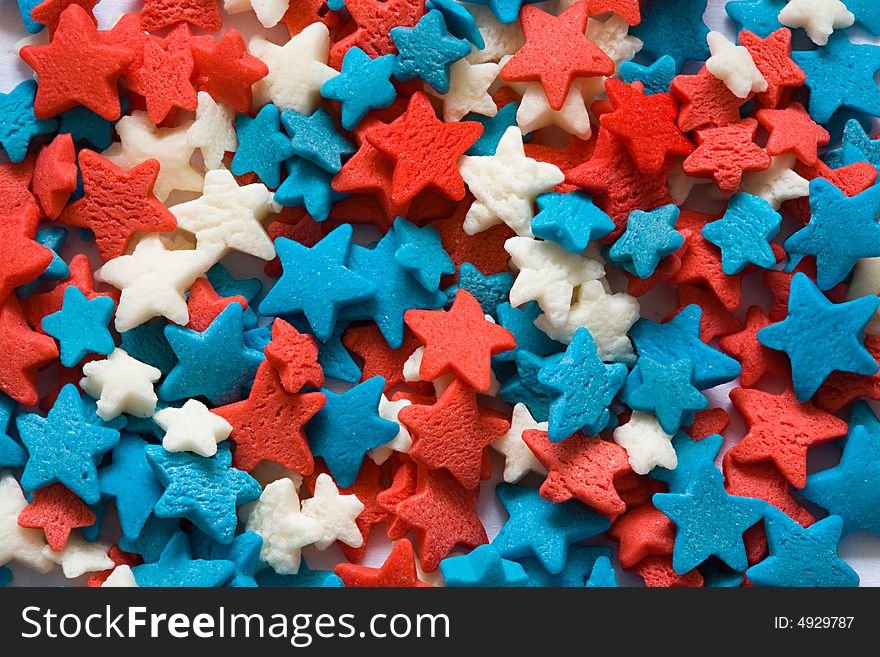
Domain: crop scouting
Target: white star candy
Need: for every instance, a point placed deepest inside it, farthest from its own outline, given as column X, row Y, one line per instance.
column 389, row 410
column 121, row 384
column 140, row 140
column 153, row 281
column 518, row 458
column 505, row 185
column 534, row 110
column 777, row 184
column 818, row 17
column 277, row 517
column 549, row 275
column 213, row 132
column 646, row 444
column 500, row 38
column 192, row 428
column 296, row 70
column 80, row 557
column 734, row 66
column 20, row 544
column 608, row 318
column 469, row 90
column 269, row 12
column 336, row 513
column 228, row 216
column 681, row 184
column 612, row 37
column 120, row 578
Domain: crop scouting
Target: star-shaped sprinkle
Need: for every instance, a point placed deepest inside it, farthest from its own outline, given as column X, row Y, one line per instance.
column 676, row 29
column 655, row 78
column 25, row 353
column 294, row 356
column 121, row 384
column 534, row 111
column 691, row 455
column 373, row 23
column 225, row 70
column 734, row 65
column 421, row 253
column 18, row 124
column 819, row 18
column 726, row 153
column 666, row 390
column 792, row 130
column 163, row 77
column 519, row 460
column 363, row 84
column 176, row 567
column 192, row 428
column 157, row 14
column 426, row 51
column 648, row 238
column 744, row 232
column 755, row 358
column 647, row 444
column 262, row 146
column 81, row 326
column 571, row 220
column 482, row 567
column 399, row 570
column 469, row 91
column 335, row 513
column 129, row 481
column 315, row 139
column 212, row 132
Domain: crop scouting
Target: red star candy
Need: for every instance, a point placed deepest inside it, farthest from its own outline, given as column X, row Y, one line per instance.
column 77, row 68
column 781, row 430
column 453, row 433
column 269, row 424
column 841, row 388
column 708, row 422
column 379, row 359
column 157, row 14
column 373, row 20
column 23, row 258
column 55, row 175
column 117, row 204
column 119, row 558
column 792, row 130
column 705, row 101
column 763, row 481
column 302, row 13
column 485, row 250
column 779, row 284
column 460, row 341
column 634, row 489
column 226, row 70
column 628, row 10
column 48, row 12
column 716, row 319
column 163, row 77
column 15, row 186
column 22, row 353
column 852, row 179
column 646, row 124
column 425, row 150
column 398, row 571
column 556, row 52
column 657, row 571
column 56, row 511
column 294, row 356
column 642, row 531
column 205, row 304
column 403, row 486
column 444, row 514
column 582, row 467
column 756, row 359
column 725, row 153
column 772, row 57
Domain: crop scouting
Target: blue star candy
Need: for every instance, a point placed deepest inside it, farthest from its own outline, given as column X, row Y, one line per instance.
column 396, row 290
column 675, row 28
column 856, row 146
column 678, row 339
column 758, row 16
column 262, row 147
column 176, row 567
column 305, row 578
column 214, row 362
column 521, row 323
column 841, row 74
column 494, row 128
column 421, row 253
column 427, row 51
column 129, row 481
column 244, row 552
column 833, row 216
column 648, row 238
column 744, row 232
column 506, row 11
column 148, row 344
column 539, row 528
column 362, row 84
column 65, row 446
column 205, row 491
column 152, row 539
column 578, row 566
column 656, row 78
column 316, row 281
column 867, row 13
column 692, row 456
column 226, row 286
column 584, row 387
column 820, row 336
column 52, row 238
column 709, row 521
column 347, row 427
column 18, row 125
column 802, row 556
column 482, row 566
column 667, row 392
column 459, row 21
column 12, row 455
column 25, row 7
column 490, row 291
column 315, row 138
column 603, row 576
column 309, row 186
column 571, row 220
column 525, row 388
column 86, row 127
column 81, row 326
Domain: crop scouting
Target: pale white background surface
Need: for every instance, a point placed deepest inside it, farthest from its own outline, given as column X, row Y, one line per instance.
column 861, row 551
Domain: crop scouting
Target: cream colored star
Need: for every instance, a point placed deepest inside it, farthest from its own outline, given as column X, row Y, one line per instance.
column 389, row 410
column 79, row 557
column 121, row 384
column 776, row 184
column 818, row 17
column 646, row 444
column 734, row 66
column 501, row 39
column 213, row 132
column 192, row 428
column 19, row 544
column 519, row 460
column 335, row 513
column 469, row 90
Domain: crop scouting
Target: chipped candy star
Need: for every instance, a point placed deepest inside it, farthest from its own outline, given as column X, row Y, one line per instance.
column 212, row 132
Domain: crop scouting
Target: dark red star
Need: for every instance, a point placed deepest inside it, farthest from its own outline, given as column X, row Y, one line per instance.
column 23, row 353
column 23, row 258
column 399, row 570
column 226, row 70
column 756, row 359
column 205, row 304
column 726, row 153
column 772, row 57
column 641, row 532
column 792, row 130
column 705, row 101
column 294, row 356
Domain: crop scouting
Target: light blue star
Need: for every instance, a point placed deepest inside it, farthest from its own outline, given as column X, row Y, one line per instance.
column 152, row 539
column 744, row 232
column 176, row 567
column 18, row 125
column 571, row 220
column 421, row 253
column 148, row 344
column 675, row 28
column 649, row 237
column 262, row 147
column 205, row 491
column 802, row 556
column 52, row 238
column 758, row 16
column 578, row 566
column 667, row 392
column 316, row 281
column 584, row 388
column 314, row 138
column 12, row 455
column 25, row 7
column 308, row 185
column 525, row 388
column 867, row 13
column 656, row 78
column 709, row 522
column 214, row 362
column 856, row 146
column 842, row 231
column 129, row 481
column 244, row 552
column 347, row 427
column 841, row 74
column 482, row 566
column 65, row 447
column 459, row 21
column 494, row 128
column 692, row 455
column 603, row 575
column 820, row 336
column 539, row 528
column 81, row 326
column 521, row 323
column 427, row 51
column 490, row 291
column 362, row 84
